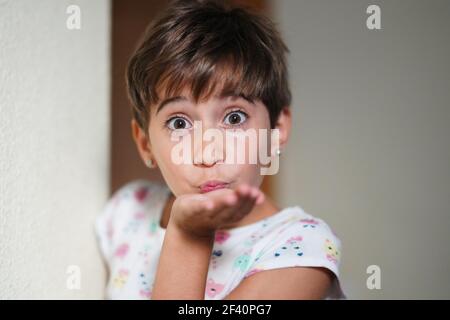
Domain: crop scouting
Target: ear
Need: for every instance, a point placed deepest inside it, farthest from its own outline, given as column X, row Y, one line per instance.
column 283, row 124
column 142, row 142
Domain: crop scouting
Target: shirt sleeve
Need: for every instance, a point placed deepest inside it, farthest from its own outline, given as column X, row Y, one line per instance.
column 308, row 242
column 116, row 213
column 104, row 222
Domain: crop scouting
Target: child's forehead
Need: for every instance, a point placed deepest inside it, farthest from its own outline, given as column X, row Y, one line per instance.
column 218, row 95
column 213, row 97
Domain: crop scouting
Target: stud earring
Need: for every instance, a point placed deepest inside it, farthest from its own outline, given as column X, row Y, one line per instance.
column 149, row 163
column 278, row 152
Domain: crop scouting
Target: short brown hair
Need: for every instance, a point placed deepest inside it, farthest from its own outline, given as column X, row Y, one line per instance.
column 198, row 44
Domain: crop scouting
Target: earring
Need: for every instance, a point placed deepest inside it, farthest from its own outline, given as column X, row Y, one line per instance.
column 149, row 163
column 278, row 152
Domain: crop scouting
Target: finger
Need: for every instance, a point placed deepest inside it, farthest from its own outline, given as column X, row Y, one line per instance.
column 231, row 199
column 233, row 204
column 259, row 195
column 243, row 190
column 243, row 193
column 261, row 198
column 235, row 213
column 250, row 201
column 200, row 203
column 247, row 198
column 251, row 193
column 222, row 199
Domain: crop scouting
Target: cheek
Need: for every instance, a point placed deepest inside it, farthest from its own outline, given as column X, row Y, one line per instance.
column 246, row 173
column 175, row 175
column 163, row 154
column 253, row 148
column 256, row 177
column 161, row 151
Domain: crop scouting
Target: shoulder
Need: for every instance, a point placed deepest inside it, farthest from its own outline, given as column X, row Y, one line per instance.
column 135, row 194
column 299, row 239
column 139, row 191
column 135, row 198
column 302, row 239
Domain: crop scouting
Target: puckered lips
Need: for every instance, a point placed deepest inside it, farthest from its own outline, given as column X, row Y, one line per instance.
column 213, row 185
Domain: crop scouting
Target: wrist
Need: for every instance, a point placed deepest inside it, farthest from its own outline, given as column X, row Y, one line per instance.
column 203, row 236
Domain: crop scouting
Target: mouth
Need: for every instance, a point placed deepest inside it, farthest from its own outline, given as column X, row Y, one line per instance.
column 213, row 185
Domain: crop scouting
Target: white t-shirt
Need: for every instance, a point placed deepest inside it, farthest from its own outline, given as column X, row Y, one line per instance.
column 130, row 239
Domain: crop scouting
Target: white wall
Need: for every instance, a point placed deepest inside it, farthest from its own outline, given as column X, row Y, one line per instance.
column 54, row 146
column 370, row 149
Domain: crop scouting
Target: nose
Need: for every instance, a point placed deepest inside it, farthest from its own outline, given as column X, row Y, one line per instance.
column 208, row 147
column 206, row 162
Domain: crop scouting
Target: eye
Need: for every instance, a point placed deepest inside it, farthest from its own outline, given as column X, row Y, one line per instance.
column 178, row 123
column 236, row 118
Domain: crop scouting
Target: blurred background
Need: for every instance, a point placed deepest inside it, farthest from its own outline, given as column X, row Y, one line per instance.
column 369, row 151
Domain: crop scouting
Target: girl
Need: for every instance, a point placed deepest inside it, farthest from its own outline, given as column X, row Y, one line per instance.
column 211, row 233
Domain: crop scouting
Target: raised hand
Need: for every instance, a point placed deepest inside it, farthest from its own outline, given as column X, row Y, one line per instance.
column 202, row 214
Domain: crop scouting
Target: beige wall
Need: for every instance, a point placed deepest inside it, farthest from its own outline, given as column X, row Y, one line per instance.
column 370, row 150
column 54, row 146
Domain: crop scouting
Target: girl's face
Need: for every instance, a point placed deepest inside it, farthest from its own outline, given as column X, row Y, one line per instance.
column 177, row 117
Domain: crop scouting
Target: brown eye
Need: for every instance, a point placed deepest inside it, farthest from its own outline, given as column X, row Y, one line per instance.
column 178, row 123
column 235, row 118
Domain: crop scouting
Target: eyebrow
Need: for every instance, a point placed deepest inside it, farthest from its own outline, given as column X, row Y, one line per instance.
column 182, row 98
